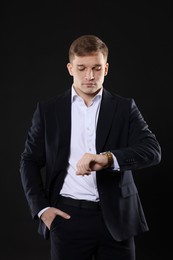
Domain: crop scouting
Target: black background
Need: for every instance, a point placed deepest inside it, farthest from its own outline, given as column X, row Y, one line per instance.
column 35, row 39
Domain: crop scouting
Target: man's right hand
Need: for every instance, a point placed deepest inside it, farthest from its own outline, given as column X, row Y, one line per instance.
column 48, row 215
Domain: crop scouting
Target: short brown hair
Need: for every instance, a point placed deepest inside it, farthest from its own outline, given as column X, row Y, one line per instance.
column 87, row 44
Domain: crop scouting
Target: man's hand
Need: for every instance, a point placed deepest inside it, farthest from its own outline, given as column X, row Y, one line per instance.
column 48, row 215
column 91, row 162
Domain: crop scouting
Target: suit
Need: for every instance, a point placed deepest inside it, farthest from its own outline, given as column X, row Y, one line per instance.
column 121, row 129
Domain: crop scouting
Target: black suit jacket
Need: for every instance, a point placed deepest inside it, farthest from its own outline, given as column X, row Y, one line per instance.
column 121, row 129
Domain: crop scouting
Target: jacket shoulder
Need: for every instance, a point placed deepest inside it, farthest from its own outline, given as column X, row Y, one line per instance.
column 117, row 97
column 54, row 101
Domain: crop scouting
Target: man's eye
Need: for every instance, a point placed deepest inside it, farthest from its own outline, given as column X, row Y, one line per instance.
column 81, row 68
column 98, row 68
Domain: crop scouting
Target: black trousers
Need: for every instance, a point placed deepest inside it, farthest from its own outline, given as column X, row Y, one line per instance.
column 85, row 237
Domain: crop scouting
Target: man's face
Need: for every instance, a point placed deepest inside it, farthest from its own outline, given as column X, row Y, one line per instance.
column 88, row 73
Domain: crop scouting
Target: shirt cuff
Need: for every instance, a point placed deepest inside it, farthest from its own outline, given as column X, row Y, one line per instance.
column 41, row 211
column 115, row 165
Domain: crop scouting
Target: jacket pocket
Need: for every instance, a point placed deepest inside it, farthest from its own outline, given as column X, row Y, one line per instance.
column 128, row 190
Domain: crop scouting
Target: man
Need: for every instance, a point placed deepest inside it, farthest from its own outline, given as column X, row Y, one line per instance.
column 90, row 141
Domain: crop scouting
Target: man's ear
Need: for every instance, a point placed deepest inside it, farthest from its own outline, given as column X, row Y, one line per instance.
column 69, row 67
column 106, row 68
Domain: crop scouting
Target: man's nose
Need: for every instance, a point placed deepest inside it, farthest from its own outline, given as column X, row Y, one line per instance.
column 89, row 75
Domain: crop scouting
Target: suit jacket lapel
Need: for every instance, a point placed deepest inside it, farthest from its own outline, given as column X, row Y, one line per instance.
column 106, row 114
column 64, row 117
column 63, row 129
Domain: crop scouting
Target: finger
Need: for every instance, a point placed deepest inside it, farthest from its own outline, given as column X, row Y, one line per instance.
column 83, row 172
column 63, row 214
column 83, row 169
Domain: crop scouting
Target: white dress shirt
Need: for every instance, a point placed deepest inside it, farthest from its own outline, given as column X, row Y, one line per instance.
column 83, row 136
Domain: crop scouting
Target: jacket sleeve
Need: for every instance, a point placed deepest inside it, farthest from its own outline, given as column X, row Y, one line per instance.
column 31, row 163
column 143, row 149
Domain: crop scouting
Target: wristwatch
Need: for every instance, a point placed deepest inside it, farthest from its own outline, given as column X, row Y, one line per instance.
column 110, row 158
